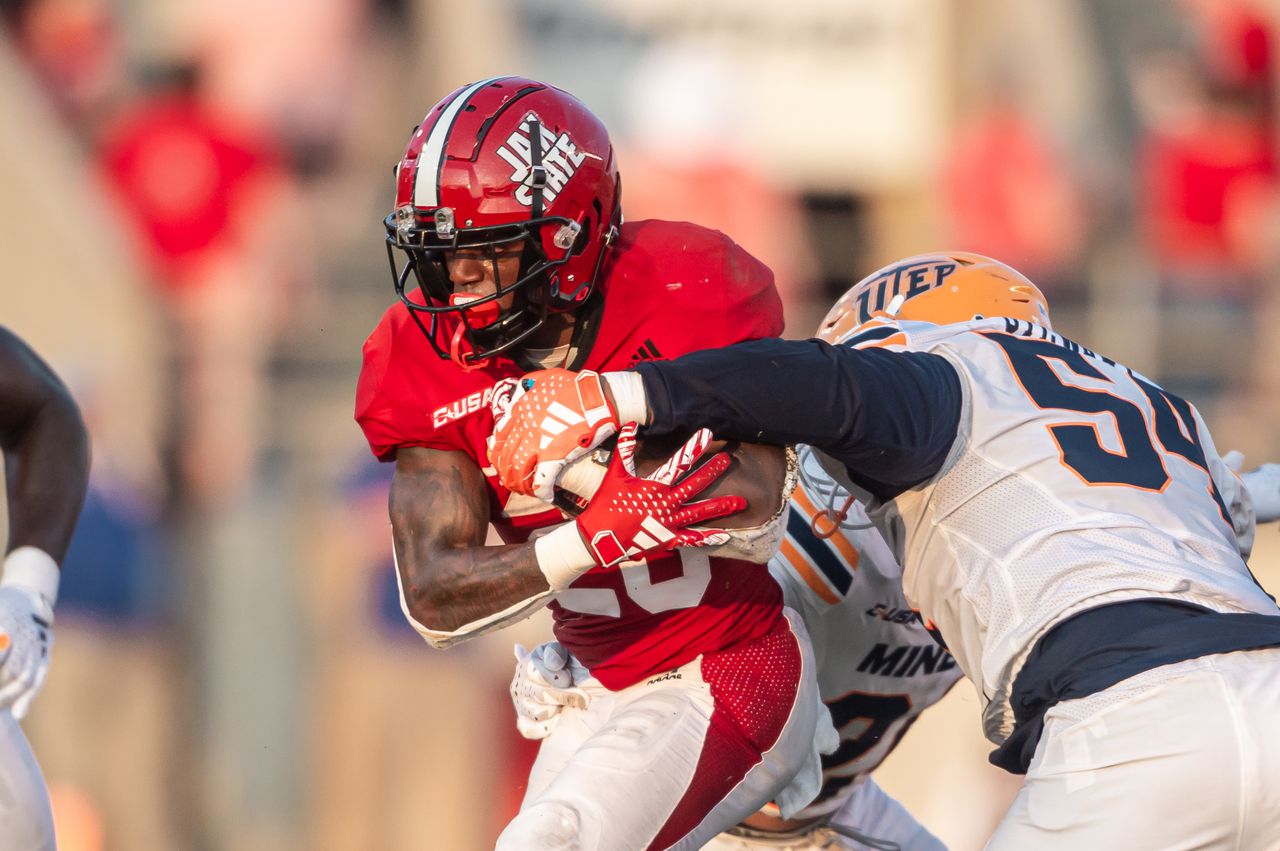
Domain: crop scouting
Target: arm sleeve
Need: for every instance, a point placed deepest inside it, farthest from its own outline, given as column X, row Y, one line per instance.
column 890, row 417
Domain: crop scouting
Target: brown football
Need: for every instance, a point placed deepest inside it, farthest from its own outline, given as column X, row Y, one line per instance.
column 757, row 473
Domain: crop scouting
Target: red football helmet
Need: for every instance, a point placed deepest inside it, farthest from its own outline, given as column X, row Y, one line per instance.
column 499, row 162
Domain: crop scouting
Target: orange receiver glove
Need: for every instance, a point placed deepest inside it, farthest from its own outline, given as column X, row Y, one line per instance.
column 552, row 418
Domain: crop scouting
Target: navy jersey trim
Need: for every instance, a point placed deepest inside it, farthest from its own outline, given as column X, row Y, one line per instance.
column 871, row 335
column 831, row 565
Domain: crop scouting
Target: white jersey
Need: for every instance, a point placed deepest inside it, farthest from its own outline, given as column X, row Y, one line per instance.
column 878, row 668
column 1073, row 482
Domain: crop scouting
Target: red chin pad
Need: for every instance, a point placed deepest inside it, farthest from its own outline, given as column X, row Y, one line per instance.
column 480, row 316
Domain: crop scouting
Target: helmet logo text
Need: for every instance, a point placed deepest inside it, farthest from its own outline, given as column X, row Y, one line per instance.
column 560, row 161
column 906, row 282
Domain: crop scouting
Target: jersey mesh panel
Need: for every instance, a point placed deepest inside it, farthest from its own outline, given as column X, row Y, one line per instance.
column 1001, row 512
column 1006, row 515
column 752, row 683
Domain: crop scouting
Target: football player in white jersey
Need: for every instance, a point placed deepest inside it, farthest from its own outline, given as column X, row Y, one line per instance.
column 1066, row 525
column 46, row 454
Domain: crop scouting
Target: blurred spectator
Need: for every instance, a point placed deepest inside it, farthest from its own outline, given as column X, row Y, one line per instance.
column 1010, row 194
column 1207, row 178
column 191, row 178
column 1204, row 175
column 1207, row 159
column 217, row 217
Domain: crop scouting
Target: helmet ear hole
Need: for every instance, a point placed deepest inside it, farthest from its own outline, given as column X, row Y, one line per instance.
column 978, row 316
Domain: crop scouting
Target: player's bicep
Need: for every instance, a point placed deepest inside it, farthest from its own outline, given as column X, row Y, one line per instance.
column 905, row 419
column 438, row 501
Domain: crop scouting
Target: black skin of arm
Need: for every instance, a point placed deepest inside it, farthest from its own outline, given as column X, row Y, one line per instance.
column 439, row 509
column 46, row 451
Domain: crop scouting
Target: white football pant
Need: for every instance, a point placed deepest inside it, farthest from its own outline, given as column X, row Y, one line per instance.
column 1178, row 757
column 648, row 763
column 26, row 821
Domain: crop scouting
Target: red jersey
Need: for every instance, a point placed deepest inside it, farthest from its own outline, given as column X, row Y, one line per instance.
column 669, row 288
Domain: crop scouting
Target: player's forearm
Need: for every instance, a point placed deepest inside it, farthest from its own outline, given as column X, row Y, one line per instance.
column 890, row 417
column 447, row 590
column 766, row 391
column 46, row 474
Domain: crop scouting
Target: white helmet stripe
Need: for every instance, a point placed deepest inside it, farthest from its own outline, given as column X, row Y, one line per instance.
column 426, row 187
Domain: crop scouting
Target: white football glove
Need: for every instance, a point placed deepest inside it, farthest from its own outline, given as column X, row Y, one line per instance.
column 542, row 687
column 1263, row 484
column 27, row 594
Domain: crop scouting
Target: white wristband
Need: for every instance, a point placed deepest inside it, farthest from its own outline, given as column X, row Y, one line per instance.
column 562, row 556
column 629, row 400
column 582, row 476
column 34, row 569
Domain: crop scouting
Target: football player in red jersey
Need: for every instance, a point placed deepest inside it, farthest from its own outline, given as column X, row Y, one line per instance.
column 700, row 691
column 46, row 454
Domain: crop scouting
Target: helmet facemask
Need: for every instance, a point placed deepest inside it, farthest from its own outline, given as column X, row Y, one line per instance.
column 484, row 328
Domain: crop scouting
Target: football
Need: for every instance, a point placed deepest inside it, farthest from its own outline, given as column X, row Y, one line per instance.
column 757, row 474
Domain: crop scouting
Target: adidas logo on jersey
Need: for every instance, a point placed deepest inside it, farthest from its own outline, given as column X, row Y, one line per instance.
column 646, row 352
column 560, row 158
column 906, row 660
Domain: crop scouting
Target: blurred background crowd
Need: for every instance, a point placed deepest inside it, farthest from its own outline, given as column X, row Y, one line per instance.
column 191, row 196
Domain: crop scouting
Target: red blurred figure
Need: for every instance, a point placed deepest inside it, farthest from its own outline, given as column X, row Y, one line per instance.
column 1207, row 163
column 189, row 177
column 215, row 213
column 1010, row 194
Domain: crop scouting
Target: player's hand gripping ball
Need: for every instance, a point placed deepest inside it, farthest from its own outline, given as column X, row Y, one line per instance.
column 544, row 421
column 629, row 516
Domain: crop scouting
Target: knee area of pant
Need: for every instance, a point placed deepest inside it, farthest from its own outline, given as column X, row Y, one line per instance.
column 551, row 825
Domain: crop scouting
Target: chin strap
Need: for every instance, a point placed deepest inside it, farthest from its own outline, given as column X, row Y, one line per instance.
column 457, row 355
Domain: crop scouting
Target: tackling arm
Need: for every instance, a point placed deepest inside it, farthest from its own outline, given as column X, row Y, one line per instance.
column 890, row 417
